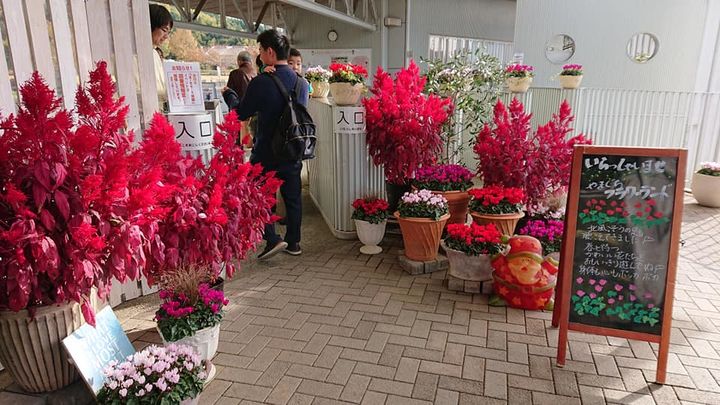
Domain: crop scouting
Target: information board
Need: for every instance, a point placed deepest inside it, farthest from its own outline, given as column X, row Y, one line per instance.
column 620, row 244
column 92, row 349
column 184, row 87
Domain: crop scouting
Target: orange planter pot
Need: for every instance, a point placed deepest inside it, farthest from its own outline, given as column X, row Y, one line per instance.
column 506, row 223
column 421, row 236
column 457, row 204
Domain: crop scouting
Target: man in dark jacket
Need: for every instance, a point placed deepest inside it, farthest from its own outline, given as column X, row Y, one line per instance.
column 264, row 99
column 240, row 77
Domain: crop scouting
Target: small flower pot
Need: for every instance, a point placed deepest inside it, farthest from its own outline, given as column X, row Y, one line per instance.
column 706, row 189
column 421, row 236
column 205, row 341
column 506, row 223
column 320, row 89
column 370, row 235
column 465, row 267
column 346, row 93
column 570, row 82
column 457, row 205
column 518, row 84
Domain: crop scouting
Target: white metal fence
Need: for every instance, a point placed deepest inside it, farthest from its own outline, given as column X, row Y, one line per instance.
column 445, row 47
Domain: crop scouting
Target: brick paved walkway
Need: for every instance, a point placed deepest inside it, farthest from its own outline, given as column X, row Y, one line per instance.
column 335, row 326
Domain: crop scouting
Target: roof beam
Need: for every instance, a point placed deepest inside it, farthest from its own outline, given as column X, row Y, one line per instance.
column 215, row 30
column 198, row 9
column 328, row 12
column 261, row 15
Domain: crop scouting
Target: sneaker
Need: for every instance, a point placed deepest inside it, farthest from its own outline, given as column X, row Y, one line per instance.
column 293, row 249
column 272, row 250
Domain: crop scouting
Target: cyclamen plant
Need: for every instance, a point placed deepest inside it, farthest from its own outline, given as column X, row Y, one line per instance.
column 474, row 239
column 518, row 70
column 572, row 70
column 447, row 177
column 496, row 200
column 347, row 73
column 370, row 209
column 422, row 204
column 181, row 315
column 549, row 233
column 317, row 74
column 154, row 376
column 710, row 168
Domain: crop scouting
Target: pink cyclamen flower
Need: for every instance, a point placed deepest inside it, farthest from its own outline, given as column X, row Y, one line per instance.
column 593, row 295
column 580, row 293
column 592, row 281
column 579, row 280
column 633, row 298
column 651, row 306
column 618, row 287
column 603, row 282
column 598, row 288
column 632, row 287
column 611, row 301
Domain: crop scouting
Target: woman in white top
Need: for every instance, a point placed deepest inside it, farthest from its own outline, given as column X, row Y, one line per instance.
column 161, row 22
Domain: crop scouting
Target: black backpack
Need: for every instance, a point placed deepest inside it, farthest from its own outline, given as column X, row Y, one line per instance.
column 294, row 136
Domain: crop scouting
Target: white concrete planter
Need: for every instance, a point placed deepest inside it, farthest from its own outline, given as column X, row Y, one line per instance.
column 469, row 268
column 706, row 189
column 346, row 93
column 570, row 82
column 205, row 341
column 192, row 401
column 320, row 89
column 518, row 84
column 370, row 235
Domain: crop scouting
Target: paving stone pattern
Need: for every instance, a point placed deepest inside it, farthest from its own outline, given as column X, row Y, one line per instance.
column 335, row 326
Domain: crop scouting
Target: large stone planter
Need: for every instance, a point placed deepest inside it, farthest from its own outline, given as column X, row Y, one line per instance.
column 469, row 268
column 518, row 84
column 370, row 235
column 31, row 349
column 346, row 93
column 706, row 189
column 205, row 341
column 457, row 205
column 570, row 82
column 320, row 89
column 506, row 223
column 421, row 236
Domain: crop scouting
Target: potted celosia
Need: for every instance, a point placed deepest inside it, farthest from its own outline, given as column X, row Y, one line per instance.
column 370, row 215
column 470, row 249
column 706, row 184
column 518, row 77
column 497, row 205
column 571, row 76
column 171, row 375
column 511, row 155
column 65, row 232
column 191, row 310
column 319, row 80
column 422, row 216
column 452, row 182
column 403, row 127
column 347, row 83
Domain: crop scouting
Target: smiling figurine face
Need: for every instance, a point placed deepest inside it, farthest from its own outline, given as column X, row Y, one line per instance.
column 525, row 270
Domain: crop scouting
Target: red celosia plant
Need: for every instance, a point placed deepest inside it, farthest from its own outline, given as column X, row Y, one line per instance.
column 496, row 200
column 370, row 209
column 64, row 189
column 511, row 155
column 197, row 215
column 474, row 239
column 403, row 124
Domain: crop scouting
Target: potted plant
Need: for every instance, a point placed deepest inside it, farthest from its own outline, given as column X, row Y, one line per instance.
column 319, row 80
column 549, row 232
column 403, row 127
column 65, row 232
column 706, row 184
column 422, row 216
column 470, row 249
column 370, row 215
column 511, row 155
column 347, row 83
column 518, row 77
column 450, row 181
column 171, row 375
column 497, row 205
column 571, row 76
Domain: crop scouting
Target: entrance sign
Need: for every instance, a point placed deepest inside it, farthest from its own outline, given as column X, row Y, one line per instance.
column 620, row 248
column 184, row 86
column 93, row 348
column 193, row 131
column 349, row 119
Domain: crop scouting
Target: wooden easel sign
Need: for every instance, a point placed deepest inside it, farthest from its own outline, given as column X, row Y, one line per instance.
column 620, row 247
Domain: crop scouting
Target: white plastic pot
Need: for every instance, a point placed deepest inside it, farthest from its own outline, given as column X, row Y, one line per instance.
column 191, row 401
column 706, row 189
column 205, row 341
column 370, row 235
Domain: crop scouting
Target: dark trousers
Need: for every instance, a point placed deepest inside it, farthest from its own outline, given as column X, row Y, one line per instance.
column 291, row 192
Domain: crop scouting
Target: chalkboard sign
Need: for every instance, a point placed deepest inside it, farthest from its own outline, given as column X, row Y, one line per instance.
column 93, row 348
column 620, row 244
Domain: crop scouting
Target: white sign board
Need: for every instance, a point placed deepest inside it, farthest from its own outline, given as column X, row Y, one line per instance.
column 349, row 119
column 184, row 86
column 324, row 57
column 193, row 131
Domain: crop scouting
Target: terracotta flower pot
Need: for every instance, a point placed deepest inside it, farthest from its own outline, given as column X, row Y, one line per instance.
column 706, row 189
column 518, row 84
column 31, row 349
column 470, row 268
column 370, row 235
column 506, row 223
column 320, row 89
column 421, row 236
column 570, row 82
column 457, row 204
column 346, row 93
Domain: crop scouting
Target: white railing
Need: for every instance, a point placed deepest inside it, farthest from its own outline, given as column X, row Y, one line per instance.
column 445, row 47
column 634, row 118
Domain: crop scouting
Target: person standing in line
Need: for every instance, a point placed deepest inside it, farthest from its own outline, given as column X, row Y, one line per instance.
column 265, row 99
column 240, row 77
column 161, row 22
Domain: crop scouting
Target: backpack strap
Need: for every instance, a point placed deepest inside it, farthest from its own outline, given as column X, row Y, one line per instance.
column 286, row 96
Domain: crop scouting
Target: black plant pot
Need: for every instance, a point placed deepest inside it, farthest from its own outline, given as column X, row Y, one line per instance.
column 394, row 192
